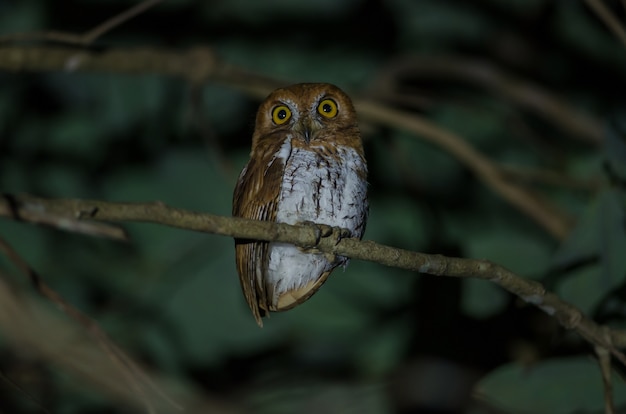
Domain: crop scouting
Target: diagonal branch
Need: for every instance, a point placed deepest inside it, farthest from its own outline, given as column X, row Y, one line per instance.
column 491, row 78
column 117, row 20
column 36, row 332
column 604, row 360
column 569, row 316
column 546, row 214
column 134, row 376
column 608, row 18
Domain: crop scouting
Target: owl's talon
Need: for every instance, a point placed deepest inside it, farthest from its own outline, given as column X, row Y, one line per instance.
column 319, row 229
column 340, row 233
column 324, row 230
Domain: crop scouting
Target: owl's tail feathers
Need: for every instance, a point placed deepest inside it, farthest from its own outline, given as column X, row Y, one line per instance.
column 258, row 315
column 293, row 297
column 259, row 310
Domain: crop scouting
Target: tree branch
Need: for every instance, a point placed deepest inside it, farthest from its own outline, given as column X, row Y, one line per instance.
column 195, row 65
column 609, row 19
column 522, row 93
column 200, row 65
column 117, row 20
column 530, row 291
column 85, row 38
column 62, row 222
column 604, row 360
column 557, row 222
column 39, row 333
column 135, row 378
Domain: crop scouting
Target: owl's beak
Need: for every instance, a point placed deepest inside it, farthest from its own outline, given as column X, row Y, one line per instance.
column 306, row 128
column 307, row 134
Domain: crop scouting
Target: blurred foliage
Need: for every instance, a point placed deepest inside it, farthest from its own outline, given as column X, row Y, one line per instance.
column 171, row 297
column 559, row 385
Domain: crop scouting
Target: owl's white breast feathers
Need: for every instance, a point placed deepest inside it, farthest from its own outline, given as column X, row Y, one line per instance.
column 325, row 190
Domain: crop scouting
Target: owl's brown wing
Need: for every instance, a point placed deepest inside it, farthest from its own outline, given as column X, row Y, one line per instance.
column 256, row 197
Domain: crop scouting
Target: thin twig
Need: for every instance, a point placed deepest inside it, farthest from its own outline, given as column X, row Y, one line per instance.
column 23, row 392
column 530, row 291
column 115, row 21
column 86, row 38
column 604, row 360
column 609, row 19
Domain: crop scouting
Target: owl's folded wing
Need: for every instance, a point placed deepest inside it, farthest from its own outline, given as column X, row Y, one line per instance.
column 256, row 197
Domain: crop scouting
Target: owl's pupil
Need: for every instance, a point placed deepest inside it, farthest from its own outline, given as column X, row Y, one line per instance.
column 326, row 108
column 282, row 114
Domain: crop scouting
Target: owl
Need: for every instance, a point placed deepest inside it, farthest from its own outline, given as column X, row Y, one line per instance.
column 306, row 166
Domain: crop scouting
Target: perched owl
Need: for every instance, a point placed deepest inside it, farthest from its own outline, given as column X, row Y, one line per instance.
column 306, row 165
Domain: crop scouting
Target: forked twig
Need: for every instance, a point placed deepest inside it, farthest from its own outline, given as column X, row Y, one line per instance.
column 88, row 37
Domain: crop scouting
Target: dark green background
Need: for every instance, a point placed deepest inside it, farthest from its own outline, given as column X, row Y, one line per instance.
column 373, row 336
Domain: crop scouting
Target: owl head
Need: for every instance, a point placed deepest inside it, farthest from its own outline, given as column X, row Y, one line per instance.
column 311, row 113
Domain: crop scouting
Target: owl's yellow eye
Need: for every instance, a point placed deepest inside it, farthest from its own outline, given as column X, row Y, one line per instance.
column 281, row 114
column 327, row 108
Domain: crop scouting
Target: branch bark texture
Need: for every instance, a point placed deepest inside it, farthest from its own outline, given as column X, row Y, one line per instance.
column 569, row 316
